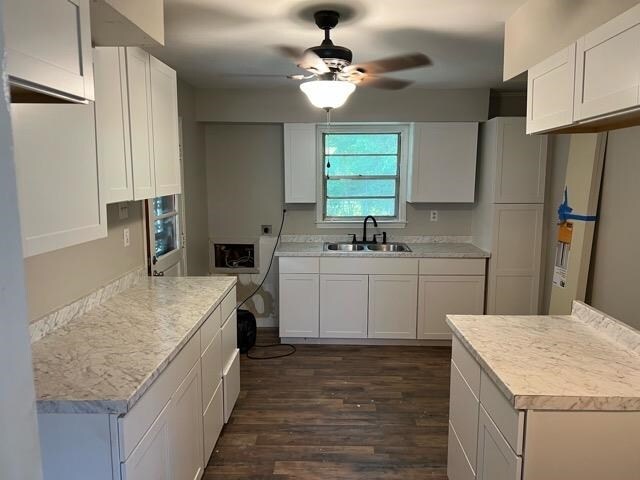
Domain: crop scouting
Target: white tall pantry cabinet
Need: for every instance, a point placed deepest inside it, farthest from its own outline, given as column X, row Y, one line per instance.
column 508, row 217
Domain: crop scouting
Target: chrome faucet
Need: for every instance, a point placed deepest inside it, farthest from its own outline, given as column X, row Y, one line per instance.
column 364, row 228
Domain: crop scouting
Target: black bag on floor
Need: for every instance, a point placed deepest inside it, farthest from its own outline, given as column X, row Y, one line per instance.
column 247, row 330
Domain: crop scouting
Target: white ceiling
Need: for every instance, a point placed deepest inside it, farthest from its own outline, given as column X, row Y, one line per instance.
column 229, row 43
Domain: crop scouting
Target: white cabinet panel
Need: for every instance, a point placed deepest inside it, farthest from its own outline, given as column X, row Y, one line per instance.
column 608, row 67
column 229, row 334
column 212, row 366
column 151, row 458
column 496, row 460
column 112, row 123
column 440, row 295
column 299, row 163
column 185, row 428
column 458, row 466
column 392, row 306
column 343, row 311
column 57, row 176
column 550, row 92
column 164, row 108
column 142, row 156
column 231, row 384
column 213, row 421
column 49, row 46
column 299, row 305
column 443, row 164
column 463, row 414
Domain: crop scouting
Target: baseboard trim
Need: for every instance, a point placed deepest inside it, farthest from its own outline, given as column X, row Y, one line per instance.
column 366, row 341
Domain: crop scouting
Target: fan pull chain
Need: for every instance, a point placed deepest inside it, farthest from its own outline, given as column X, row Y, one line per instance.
column 328, row 127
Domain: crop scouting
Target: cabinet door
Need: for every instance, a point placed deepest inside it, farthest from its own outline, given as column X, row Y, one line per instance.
column 443, row 164
column 393, row 301
column 299, row 304
column 521, row 163
column 514, row 266
column 57, row 176
column 213, row 421
column 440, row 295
column 112, row 123
column 343, row 306
column 496, row 460
column 550, row 92
column 139, row 89
column 164, row 108
column 300, row 163
column 49, row 46
column 186, row 428
column 151, row 457
column 608, row 67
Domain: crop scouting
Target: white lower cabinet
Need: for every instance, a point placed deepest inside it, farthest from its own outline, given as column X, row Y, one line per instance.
column 458, row 467
column 151, row 458
column 440, row 295
column 299, row 304
column 213, row 421
column 344, row 306
column 185, row 424
column 496, row 460
column 392, row 306
column 231, row 384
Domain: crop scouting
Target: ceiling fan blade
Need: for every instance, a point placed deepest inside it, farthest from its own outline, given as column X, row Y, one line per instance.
column 384, row 83
column 300, row 77
column 305, row 59
column 391, row 64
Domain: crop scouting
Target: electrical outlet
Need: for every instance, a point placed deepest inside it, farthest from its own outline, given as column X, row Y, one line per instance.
column 266, row 229
column 433, row 216
column 123, row 210
column 127, row 238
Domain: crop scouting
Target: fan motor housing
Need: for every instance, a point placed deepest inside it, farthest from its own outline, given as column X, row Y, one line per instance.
column 341, row 55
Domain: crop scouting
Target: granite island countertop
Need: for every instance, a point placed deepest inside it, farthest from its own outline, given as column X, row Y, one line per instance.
column 103, row 361
column 418, row 250
column 583, row 361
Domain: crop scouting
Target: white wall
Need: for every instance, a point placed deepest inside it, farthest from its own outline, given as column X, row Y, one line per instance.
column 615, row 265
column 540, row 28
column 19, row 447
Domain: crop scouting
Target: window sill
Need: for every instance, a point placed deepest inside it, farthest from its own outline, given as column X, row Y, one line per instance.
column 350, row 224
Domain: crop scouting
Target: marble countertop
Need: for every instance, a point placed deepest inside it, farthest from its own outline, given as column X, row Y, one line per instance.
column 104, row 360
column 556, row 362
column 418, row 250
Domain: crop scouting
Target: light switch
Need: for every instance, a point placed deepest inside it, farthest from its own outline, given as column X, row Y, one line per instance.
column 123, row 210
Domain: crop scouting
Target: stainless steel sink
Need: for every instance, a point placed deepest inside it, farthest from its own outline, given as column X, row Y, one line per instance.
column 388, row 247
column 367, row 247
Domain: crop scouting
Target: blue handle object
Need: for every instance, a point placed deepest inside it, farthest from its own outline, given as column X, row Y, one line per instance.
column 564, row 212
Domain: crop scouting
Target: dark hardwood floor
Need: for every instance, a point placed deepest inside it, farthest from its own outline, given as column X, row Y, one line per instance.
column 338, row 412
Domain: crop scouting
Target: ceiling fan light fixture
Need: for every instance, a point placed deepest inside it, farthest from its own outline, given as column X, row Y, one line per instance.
column 327, row 94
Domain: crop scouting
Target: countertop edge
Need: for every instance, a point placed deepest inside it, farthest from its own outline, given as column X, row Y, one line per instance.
column 120, row 406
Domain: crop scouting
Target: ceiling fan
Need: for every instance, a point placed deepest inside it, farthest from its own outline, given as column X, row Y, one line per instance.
column 332, row 77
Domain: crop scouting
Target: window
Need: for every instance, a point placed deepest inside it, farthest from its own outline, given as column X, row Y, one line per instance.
column 165, row 227
column 363, row 171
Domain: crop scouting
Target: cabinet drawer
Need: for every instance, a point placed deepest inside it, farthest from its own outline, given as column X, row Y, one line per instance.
column 211, row 368
column 228, row 305
column 452, row 266
column 463, row 414
column 496, row 460
column 137, row 421
column 509, row 421
column 466, row 364
column 299, row 264
column 209, row 329
column 371, row 266
column 231, row 384
column 458, row 467
column 213, row 421
column 229, row 339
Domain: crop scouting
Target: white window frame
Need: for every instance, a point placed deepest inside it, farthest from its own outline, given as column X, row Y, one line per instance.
column 401, row 128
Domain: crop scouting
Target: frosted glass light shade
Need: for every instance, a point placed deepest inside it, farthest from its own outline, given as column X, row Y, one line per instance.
column 327, row 93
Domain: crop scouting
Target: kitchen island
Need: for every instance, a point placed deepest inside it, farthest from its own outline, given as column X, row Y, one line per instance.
column 544, row 397
column 141, row 385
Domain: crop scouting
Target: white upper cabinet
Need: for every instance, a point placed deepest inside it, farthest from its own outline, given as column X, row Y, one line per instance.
column 300, row 163
column 443, row 164
column 608, row 67
column 57, row 176
column 49, row 48
column 550, row 92
column 139, row 88
column 164, row 116
column 112, row 123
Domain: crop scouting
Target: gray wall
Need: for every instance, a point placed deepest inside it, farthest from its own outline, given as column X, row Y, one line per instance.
column 195, row 181
column 58, row 278
column 615, row 267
